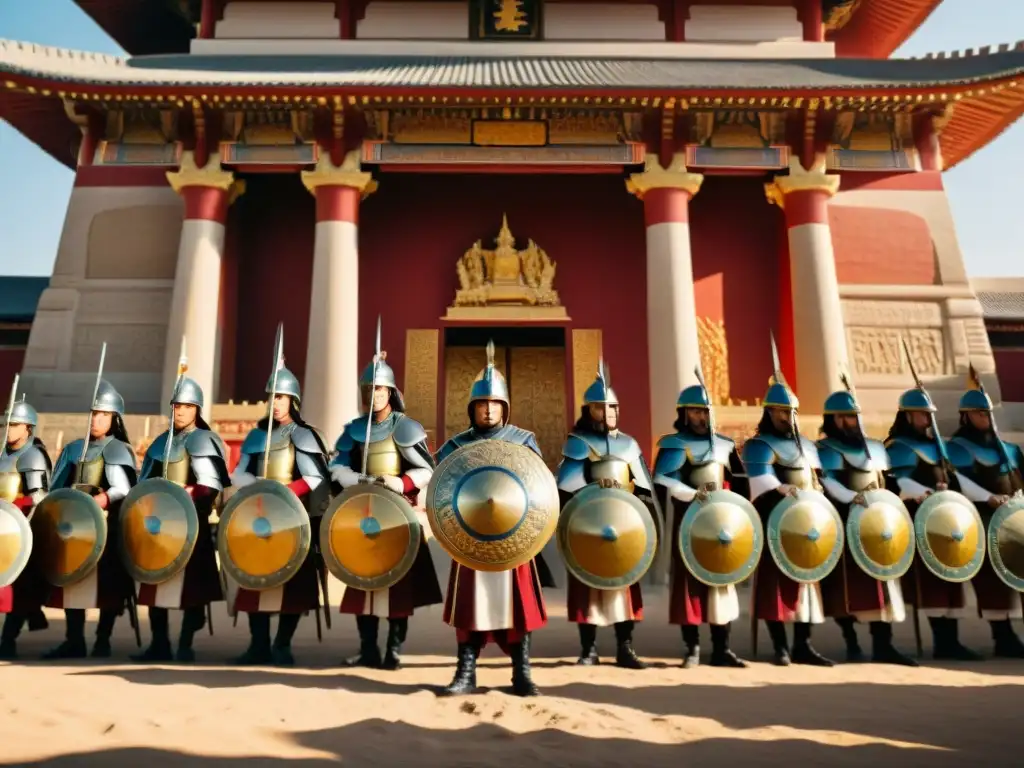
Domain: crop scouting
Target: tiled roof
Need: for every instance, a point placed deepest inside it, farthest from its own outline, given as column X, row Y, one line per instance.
column 1002, row 305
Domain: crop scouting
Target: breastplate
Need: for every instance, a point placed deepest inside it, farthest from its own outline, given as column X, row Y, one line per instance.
column 383, row 458
column 177, row 471
column 859, row 479
column 992, row 480
column 281, row 464
column 705, row 474
column 92, row 472
column 802, row 478
column 610, row 468
column 10, row 485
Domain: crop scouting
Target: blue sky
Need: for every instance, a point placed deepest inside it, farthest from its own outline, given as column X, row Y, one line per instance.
column 985, row 191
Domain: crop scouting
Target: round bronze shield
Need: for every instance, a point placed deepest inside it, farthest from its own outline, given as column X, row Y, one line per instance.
column 1006, row 543
column 15, row 542
column 70, row 531
column 805, row 536
column 159, row 528
column 880, row 535
column 263, row 536
column 492, row 505
column 721, row 539
column 607, row 537
column 370, row 537
column 950, row 536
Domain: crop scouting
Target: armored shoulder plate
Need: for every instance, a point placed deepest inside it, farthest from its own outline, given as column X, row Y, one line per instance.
column 513, row 434
column 835, row 454
column 963, row 454
column 905, row 452
column 205, row 442
column 408, row 432
column 157, row 448
column 757, row 451
column 575, row 448
column 306, row 439
column 255, row 441
column 588, row 445
column 831, row 455
column 346, row 440
column 119, row 453
column 32, row 458
column 788, row 453
column 671, row 455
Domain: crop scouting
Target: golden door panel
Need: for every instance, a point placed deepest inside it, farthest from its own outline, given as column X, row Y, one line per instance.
column 538, row 396
column 461, row 366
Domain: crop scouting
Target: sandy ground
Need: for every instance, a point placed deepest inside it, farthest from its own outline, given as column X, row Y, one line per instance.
column 211, row 714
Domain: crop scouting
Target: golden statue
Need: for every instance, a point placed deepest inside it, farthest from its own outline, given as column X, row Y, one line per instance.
column 510, row 16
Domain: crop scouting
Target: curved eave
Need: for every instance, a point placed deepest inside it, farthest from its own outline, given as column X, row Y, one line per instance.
column 141, row 27
column 878, row 27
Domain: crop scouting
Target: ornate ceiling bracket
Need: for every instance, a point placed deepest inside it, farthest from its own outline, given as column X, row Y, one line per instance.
column 668, row 129
column 348, row 174
column 800, row 179
column 190, row 174
column 657, row 176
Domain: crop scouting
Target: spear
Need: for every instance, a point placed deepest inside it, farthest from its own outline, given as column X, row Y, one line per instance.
column 780, row 379
column 602, row 374
column 10, row 412
column 1011, row 471
column 278, row 365
column 860, row 425
column 711, row 410
column 369, row 408
column 939, row 444
column 182, row 367
column 88, row 426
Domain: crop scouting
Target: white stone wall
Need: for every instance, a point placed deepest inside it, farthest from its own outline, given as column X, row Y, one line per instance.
column 282, row 20
column 743, row 23
column 602, row 21
column 414, row 21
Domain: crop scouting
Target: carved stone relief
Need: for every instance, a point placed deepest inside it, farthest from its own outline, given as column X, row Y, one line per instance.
column 877, row 350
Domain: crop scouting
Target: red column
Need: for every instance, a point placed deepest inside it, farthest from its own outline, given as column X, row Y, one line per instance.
column 927, row 140
column 814, row 29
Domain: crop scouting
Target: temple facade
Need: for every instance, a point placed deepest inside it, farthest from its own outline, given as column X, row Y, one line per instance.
column 662, row 183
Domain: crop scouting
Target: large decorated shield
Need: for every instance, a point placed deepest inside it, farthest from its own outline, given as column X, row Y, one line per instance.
column 1006, row 542
column 159, row 528
column 70, row 531
column 721, row 539
column 263, row 536
column 880, row 535
column 492, row 505
column 805, row 536
column 15, row 542
column 950, row 536
column 370, row 537
column 607, row 537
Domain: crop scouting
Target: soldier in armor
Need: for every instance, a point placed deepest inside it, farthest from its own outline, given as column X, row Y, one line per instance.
column 780, row 462
column 399, row 459
column 684, row 469
column 197, row 463
column 988, row 475
column 597, row 452
column 24, row 480
column 298, row 459
column 853, row 464
column 108, row 474
column 505, row 606
column 918, row 469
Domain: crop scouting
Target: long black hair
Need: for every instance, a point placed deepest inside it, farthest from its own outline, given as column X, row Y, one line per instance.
column 970, row 432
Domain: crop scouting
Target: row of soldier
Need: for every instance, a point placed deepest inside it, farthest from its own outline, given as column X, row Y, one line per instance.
column 389, row 449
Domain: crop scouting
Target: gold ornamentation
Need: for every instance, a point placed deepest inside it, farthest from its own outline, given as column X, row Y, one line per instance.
column 420, row 391
column 537, row 384
column 510, row 16
column 210, row 175
column 840, row 14
column 444, row 126
column 877, row 350
column 654, row 176
column 714, row 358
column 801, row 179
column 506, row 276
column 586, row 353
column 510, row 133
column 349, row 174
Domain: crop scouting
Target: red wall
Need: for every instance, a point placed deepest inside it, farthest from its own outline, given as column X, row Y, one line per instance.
column 882, row 246
column 417, row 226
column 1010, row 367
column 734, row 233
column 276, row 221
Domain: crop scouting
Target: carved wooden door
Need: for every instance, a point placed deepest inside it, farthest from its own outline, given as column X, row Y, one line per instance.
column 537, row 388
column 461, row 366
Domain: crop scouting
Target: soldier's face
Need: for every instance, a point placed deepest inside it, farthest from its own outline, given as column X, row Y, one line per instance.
column 920, row 420
column 847, row 423
column 697, row 418
column 782, row 419
column 980, row 420
column 100, row 423
column 598, row 413
column 487, row 413
column 381, row 398
column 282, row 407
column 184, row 415
column 17, row 434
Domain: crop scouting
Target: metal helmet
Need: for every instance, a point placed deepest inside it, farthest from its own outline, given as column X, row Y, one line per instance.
column 693, row 397
column 188, row 392
column 489, row 383
column 23, row 413
column 841, row 402
column 916, row 400
column 779, row 395
column 601, row 392
column 287, row 384
column 108, row 399
column 975, row 398
column 385, row 376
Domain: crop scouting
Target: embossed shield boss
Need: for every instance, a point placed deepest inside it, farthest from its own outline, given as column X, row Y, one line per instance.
column 492, row 505
column 805, row 536
column 880, row 535
column 15, row 542
column 370, row 537
column 70, row 531
column 263, row 536
column 950, row 536
column 159, row 528
column 721, row 539
column 1005, row 542
column 607, row 537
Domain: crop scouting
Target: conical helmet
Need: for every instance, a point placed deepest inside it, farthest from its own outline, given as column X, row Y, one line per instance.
column 385, row 377
column 108, row 399
column 188, row 392
column 693, row 396
column 841, row 403
column 23, row 413
column 489, row 383
column 916, row 400
column 287, row 384
column 975, row 398
column 779, row 395
column 601, row 392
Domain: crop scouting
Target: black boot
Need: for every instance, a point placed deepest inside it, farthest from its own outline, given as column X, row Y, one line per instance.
column 691, row 639
column 522, row 683
column 369, row 653
column 625, row 656
column 73, row 646
column 37, row 620
column 803, row 651
column 588, row 645
column 1007, row 644
column 721, row 654
column 9, row 637
column 882, row 649
column 465, row 673
column 104, row 629
column 777, row 633
column 192, row 620
column 853, row 652
column 160, row 647
column 281, row 651
column 949, row 648
column 258, row 651
column 397, row 630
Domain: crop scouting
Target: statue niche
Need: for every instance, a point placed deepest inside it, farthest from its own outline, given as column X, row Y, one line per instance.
column 506, row 282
